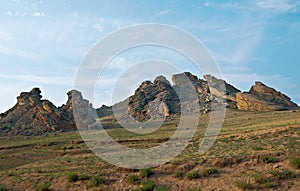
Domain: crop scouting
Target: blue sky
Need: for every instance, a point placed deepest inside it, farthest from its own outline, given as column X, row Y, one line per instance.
column 42, row 43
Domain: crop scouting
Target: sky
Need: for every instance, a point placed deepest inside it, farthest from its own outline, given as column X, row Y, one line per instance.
column 42, row 43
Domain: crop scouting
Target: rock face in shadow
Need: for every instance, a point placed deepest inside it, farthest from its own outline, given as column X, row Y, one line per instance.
column 32, row 116
column 263, row 98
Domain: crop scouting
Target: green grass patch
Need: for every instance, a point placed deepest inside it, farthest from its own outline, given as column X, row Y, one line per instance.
column 147, row 185
column 282, row 175
column 73, row 177
column 83, row 177
column 43, row 187
column 178, row 174
column 133, row 179
column 194, row 189
column 97, row 181
column 295, row 162
column 269, row 159
column 2, row 187
column 243, row 184
column 145, row 173
column 209, row 171
column 163, row 187
column 193, row 174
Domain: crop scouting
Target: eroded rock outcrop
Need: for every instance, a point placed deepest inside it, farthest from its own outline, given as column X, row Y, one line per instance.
column 32, row 116
column 79, row 109
column 156, row 100
column 263, row 98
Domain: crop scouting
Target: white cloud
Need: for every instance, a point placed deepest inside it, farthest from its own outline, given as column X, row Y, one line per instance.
column 164, row 12
column 280, row 6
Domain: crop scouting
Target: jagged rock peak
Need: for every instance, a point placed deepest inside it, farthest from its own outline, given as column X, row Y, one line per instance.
column 181, row 79
column 32, row 97
column 264, row 98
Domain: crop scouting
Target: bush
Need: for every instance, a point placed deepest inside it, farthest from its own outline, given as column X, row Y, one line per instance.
column 147, row 185
column 282, row 175
column 269, row 159
column 177, row 174
column 83, row 177
column 73, row 177
column 144, row 173
column 295, row 162
column 97, row 181
column 133, row 179
column 243, row 184
column 43, row 187
column 193, row 174
column 2, row 187
column 209, row 171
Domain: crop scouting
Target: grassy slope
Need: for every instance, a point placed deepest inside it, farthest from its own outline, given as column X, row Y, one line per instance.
column 245, row 136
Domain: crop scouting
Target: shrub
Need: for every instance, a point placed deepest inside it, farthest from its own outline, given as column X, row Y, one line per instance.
column 147, row 185
column 193, row 174
column 83, row 177
column 72, row 177
column 209, row 171
column 43, row 187
column 144, row 173
column 295, row 162
column 269, row 159
column 162, row 188
column 284, row 174
column 2, row 187
column 177, row 174
column 269, row 184
column 133, row 179
column 97, row 181
column 243, row 184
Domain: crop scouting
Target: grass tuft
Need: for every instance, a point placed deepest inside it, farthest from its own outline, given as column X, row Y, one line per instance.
column 145, row 173
column 269, row 159
column 147, row 185
column 97, row 181
column 295, row 162
column 193, row 174
column 282, row 175
column 243, row 184
column 73, row 177
column 209, row 171
column 2, row 187
column 133, row 179
column 43, row 187
column 178, row 174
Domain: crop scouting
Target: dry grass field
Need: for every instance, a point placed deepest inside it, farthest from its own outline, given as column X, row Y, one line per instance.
column 255, row 150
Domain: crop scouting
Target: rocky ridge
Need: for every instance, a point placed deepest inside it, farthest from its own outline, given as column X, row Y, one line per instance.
column 32, row 115
column 159, row 99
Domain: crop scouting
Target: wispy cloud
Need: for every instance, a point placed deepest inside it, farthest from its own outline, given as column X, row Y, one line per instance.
column 280, row 6
column 163, row 12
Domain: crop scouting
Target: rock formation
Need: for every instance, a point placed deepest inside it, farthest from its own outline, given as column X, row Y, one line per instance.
column 263, row 98
column 32, row 115
column 79, row 109
column 157, row 99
